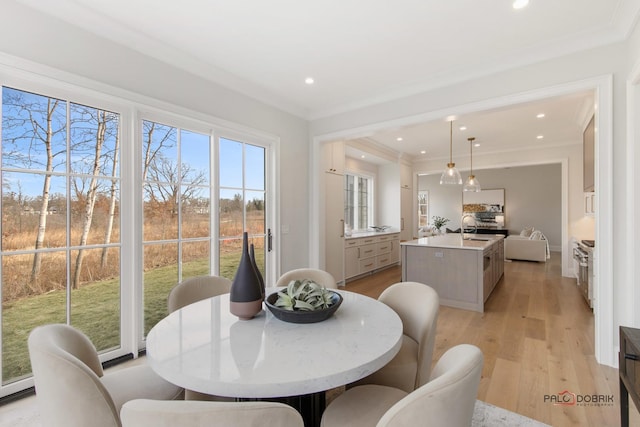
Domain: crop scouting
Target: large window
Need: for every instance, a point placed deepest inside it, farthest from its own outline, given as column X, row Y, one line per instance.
column 176, row 175
column 100, row 221
column 242, row 199
column 358, row 201
column 423, row 208
column 60, row 204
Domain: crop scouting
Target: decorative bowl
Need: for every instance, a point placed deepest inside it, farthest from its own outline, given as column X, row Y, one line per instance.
column 302, row 316
column 379, row 228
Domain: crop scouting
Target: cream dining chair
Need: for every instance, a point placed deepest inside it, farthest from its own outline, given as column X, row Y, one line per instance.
column 195, row 289
column 447, row 400
column 417, row 305
column 150, row 413
column 192, row 290
column 321, row 277
column 71, row 388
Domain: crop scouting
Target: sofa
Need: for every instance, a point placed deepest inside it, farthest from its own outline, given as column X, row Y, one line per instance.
column 527, row 246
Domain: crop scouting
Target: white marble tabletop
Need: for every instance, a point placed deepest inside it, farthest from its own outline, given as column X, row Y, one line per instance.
column 203, row 347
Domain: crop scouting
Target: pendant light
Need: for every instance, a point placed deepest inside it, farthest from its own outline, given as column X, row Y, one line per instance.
column 451, row 174
column 472, row 183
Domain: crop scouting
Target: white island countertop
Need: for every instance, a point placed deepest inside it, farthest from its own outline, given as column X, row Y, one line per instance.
column 476, row 242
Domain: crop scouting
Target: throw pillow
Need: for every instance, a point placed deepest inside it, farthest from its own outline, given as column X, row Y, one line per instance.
column 537, row 235
column 526, row 232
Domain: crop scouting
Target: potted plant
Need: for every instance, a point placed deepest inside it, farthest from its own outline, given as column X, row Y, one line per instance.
column 438, row 222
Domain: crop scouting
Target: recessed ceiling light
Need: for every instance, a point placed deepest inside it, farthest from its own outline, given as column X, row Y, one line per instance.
column 463, row 128
column 541, row 115
column 423, row 152
column 309, row 80
column 519, row 4
column 477, row 144
column 399, row 139
column 362, row 156
column 540, row 136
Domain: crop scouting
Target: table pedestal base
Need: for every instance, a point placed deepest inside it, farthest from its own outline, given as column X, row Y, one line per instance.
column 310, row 406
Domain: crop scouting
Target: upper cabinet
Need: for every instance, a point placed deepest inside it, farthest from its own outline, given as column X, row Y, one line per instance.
column 333, row 157
column 406, row 176
column 588, row 155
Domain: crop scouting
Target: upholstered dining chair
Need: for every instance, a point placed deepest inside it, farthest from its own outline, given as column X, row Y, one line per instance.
column 446, row 400
column 195, row 289
column 321, row 277
column 192, row 290
column 150, row 413
column 71, row 388
column 417, row 305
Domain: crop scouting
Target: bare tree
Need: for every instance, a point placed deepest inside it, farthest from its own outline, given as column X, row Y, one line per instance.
column 30, row 125
column 91, row 129
column 165, row 180
column 112, row 203
column 152, row 146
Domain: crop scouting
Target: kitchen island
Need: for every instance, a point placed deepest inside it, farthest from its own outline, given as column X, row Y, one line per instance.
column 463, row 272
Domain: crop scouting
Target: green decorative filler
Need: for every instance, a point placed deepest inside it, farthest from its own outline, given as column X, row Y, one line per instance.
column 439, row 221
column 304, row 295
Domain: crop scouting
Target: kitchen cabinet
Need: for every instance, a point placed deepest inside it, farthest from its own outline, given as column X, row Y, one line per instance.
column 334, row 157
column 370, row 253
column 406, row 176
column 590, row 203
column 406, row 202
column 406, row 219
column 334, row 226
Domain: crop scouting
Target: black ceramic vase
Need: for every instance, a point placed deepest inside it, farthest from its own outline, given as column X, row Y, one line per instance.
column 246, row 295
column 255, row 267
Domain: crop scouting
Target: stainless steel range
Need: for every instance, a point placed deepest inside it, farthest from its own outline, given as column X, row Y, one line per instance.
column 583, row 257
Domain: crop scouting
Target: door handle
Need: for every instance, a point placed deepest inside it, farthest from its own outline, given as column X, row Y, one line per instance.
column 269, row 240
column 342, row 228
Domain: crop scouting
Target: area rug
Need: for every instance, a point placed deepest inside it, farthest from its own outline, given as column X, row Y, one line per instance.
column 487, row 415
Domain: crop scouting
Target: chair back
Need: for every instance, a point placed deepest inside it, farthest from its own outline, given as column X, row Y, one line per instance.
column 66, row 371
column 193, row 413
column 417, row 305
column 196, row 289
column 321, row 277
column 448, row 399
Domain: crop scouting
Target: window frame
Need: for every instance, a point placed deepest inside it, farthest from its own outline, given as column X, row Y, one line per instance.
column 132, row 108
column 371, row 187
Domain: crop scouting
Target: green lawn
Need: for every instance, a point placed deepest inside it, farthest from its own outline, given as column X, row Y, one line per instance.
column 95, row 309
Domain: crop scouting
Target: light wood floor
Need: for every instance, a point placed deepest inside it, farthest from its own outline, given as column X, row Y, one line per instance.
column 537, row 338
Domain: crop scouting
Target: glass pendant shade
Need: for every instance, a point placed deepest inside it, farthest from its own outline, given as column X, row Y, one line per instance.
column 471, row 184
column 451, row 176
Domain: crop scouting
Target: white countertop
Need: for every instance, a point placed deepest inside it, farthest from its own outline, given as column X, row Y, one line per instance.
column 455, row 241
column 359, row 234
column 203, row 347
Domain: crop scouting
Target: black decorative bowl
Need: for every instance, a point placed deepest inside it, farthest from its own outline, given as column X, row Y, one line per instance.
column 302, row 316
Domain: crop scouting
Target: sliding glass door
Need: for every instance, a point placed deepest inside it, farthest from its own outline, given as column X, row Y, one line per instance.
column 60, row 205
column 243, row 203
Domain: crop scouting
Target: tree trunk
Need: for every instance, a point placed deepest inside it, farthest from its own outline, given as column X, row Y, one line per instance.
column 44, row 207
column 112, row 205
column 91, row 199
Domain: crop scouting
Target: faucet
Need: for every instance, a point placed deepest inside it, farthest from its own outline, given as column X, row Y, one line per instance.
column 475, row 225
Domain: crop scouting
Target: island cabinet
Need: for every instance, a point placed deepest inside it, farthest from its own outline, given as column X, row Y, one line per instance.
column 370, row 252
column 462, row 272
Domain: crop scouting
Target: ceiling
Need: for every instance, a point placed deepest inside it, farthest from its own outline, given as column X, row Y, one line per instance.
column 362, row 52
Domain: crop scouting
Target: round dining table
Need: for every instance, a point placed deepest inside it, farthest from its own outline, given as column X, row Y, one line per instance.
column 204, row 348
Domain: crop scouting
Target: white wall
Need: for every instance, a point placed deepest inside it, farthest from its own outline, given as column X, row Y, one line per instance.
column 102, row 65
column 533, row 197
